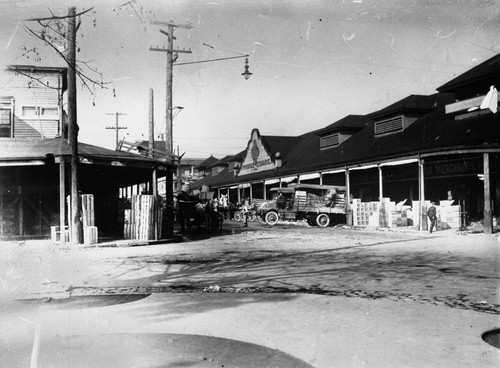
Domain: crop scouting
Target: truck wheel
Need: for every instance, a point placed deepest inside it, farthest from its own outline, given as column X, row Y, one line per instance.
column 272, row 218
column 238, row 216
column 323, row 220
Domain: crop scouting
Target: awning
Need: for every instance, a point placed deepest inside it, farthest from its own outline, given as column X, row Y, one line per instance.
column 363, row 167
column 333, row 171
column 309, row 176
column 288, row 179
column 400, row 162
column 271, row 181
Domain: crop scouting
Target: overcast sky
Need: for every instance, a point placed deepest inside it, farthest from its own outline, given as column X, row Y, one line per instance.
column 313, row 62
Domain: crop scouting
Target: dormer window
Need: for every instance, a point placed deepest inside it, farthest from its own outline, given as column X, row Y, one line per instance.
column 387, row 126
column 331, row 140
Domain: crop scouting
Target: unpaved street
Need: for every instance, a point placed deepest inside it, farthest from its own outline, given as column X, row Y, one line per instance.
column 456, row 270
column 286, row 296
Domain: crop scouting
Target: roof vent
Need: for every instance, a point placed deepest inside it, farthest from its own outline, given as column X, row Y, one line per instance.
column 387, row 126
column 328, row 141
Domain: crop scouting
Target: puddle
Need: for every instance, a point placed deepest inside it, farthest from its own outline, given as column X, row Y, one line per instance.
column 148, row 350
column 84, row 301
column 492, row 337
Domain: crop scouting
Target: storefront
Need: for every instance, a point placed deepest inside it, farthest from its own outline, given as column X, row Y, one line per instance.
column 443, row 148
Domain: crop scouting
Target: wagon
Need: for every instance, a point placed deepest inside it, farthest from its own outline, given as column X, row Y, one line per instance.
column 320, row 205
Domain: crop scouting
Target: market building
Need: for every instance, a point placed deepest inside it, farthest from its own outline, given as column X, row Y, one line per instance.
column 35, row 164
column 443, row 147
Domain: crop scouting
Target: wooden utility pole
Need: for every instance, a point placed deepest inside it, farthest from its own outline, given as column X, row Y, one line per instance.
column 169, row 215
column 116, row 127
column 488, row 220
column 170, row 63
column 151, row 123
column 75, row 221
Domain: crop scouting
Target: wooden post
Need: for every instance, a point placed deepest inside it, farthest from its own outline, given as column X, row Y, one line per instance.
column 421, row 197
column 381, row 212
column 77, row 230
column 62, row 199
column 348, row 209
column 151, row 123
column 21, row 210
column 488, row 221
column 154, row 183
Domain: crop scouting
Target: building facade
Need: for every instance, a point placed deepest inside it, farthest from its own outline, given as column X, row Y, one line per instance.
column 35, row 158
column 443, row 147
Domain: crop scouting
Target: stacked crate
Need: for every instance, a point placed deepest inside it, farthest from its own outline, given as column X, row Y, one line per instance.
column 365, row 213
column 88, row 218
column 448, row 216
column 141, row 221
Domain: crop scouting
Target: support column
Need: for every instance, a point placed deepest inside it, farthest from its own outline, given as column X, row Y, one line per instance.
column 320, row 178
column 62, row 199
column 239, row 194
column 21, row 209
column 154, row 183
column 251, row 192
column 488, row 221
column 348, row 209
column 421, row 197
column 381, row 213
column 265, row 194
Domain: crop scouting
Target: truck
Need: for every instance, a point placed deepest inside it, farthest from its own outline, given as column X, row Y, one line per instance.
column 317, row 204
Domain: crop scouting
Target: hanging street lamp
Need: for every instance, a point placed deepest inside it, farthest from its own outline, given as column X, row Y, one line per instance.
column 246, row 74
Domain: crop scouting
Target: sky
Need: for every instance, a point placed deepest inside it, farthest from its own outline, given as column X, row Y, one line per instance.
column 313, row 62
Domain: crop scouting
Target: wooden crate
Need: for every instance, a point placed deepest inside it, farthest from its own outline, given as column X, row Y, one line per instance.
column 90, row 235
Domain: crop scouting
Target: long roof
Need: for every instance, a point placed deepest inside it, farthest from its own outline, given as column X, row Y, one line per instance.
column 432, row 133
column 486, row 71
column 23, row 150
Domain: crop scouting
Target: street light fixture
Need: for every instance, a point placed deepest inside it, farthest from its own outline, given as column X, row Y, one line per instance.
column 246, row 74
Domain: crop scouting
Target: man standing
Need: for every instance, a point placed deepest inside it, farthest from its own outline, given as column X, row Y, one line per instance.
column 431, row 213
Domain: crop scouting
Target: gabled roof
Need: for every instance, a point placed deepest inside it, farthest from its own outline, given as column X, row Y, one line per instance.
column 487, row 73
column 417, row 104
column 348, row 124
column 208, row 162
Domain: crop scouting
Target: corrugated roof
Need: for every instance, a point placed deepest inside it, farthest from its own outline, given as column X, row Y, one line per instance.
column 412, row 104
column 433, row 132
column 487, row 72
column 350, row 123
column 19, row 149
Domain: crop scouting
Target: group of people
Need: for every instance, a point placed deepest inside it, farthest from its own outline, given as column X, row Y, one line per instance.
column 202, row 208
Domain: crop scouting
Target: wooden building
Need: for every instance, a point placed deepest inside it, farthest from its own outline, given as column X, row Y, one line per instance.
column 443, row 147
column 35, row 161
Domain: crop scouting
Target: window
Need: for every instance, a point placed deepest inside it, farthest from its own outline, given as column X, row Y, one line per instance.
column 44, row 112
column 5, row 122
column 389, row 126
column 328, row 141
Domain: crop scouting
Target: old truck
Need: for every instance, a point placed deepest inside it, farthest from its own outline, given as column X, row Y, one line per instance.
column 320, row 205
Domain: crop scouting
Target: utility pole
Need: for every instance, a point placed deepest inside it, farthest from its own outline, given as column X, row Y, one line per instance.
column 170, row 62
column 116, row 127
column 75, row 221
column 151, row 142
column 169, row 215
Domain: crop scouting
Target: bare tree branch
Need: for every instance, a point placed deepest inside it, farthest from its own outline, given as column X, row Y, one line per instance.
column 58, row 17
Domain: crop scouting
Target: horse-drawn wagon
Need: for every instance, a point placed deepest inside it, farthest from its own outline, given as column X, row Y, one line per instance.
column 320, row 205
